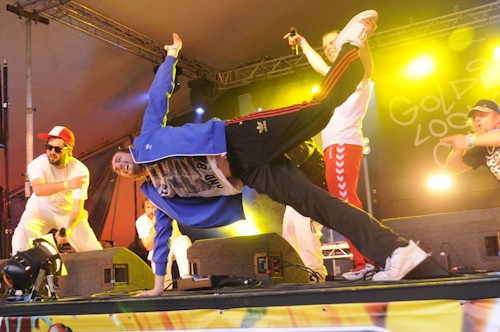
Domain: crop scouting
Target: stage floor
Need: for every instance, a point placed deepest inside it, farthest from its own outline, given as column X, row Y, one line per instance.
column 431, row 295
column 458, row 289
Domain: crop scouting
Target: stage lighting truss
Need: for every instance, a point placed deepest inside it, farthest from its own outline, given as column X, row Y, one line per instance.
column 26, row 270
column 86, row 20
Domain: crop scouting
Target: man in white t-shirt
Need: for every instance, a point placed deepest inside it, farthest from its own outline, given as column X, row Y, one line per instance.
column 179, row 243
column 60, row 183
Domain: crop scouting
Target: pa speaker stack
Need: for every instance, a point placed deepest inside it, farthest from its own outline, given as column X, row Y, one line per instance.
column 106, row 271
column 264, row 257
column 470, row 239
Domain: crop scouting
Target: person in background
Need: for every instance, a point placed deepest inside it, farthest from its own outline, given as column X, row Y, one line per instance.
column 303, row 233
column 342, row 141
column 179, row 243
column 481, row 148
column 60, row 187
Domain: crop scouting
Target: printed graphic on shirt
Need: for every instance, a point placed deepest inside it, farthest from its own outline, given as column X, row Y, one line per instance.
column 62, row 199
column 185, row 177
column 493, row 162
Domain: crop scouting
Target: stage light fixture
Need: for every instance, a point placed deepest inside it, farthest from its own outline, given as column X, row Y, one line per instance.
column 440, row 182
column 420, row 68
column 27, row 269
column 315, row 89
column 200, row 93
column 199, row 110
column 366, row 145
column 496, row 53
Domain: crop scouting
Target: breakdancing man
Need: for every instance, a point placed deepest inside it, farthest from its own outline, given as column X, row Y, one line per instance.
column 194, row 173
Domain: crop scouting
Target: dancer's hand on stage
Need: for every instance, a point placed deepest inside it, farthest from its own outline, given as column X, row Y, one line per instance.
column 150, row 292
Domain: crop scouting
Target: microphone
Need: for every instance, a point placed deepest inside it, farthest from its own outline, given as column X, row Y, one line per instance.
column 62, row 232
column 293, row 32
column 5, row 104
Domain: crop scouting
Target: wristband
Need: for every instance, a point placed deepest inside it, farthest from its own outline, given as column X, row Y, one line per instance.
column 302, row 41
column 172, row 48
column 66, row 185
column 471, row 140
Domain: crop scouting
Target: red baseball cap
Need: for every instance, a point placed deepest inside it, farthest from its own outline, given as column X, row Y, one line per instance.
column 59, row 132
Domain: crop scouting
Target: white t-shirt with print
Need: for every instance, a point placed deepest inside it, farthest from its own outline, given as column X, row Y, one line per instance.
column 60, row 202
column 345, row 126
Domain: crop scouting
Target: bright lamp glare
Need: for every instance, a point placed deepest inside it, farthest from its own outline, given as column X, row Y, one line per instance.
column 490, row 74
column 315, row 89
column 248, row 228
column 420, row 67
column 496, row 53
column 440, row 182
column 243, row 228
column 199, row 111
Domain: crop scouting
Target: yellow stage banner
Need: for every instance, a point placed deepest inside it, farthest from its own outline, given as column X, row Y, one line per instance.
column 404, row 316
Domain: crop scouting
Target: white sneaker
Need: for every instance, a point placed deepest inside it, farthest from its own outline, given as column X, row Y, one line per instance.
column 401, row 262
column 364, row 274
column 355, row 31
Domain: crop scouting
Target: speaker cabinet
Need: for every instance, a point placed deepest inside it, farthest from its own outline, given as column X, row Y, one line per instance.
column 266, row 257
column 103, row 271
column 3, row 285
column 469, row 238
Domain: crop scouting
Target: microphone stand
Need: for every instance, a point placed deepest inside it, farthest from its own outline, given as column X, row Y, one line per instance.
column 6, row 224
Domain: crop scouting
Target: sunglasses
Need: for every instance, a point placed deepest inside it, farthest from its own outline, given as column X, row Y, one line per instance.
column 57, row 149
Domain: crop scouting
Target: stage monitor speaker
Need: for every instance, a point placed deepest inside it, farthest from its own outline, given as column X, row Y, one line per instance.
column 3, row 285
column 469, row 238
column 265, row 257
column 112, row 270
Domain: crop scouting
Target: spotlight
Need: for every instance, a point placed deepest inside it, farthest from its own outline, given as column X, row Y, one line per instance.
column 201, row 92
column 366, row 145
column 420, row 68
column 440, row 182
column 27, row 269
column 199, row 110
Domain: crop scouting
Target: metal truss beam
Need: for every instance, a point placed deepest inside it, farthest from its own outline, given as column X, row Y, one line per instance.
column 84, row 19
column 91, row 22
column 472, row 18
column 437, row 27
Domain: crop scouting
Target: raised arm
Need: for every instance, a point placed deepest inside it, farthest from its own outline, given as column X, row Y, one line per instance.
column 314, row 59
column 162, row 88
column 366, row 59
column 364, row 53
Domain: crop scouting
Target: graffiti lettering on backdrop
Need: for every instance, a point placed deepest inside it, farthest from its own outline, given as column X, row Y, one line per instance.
column 436, row 114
